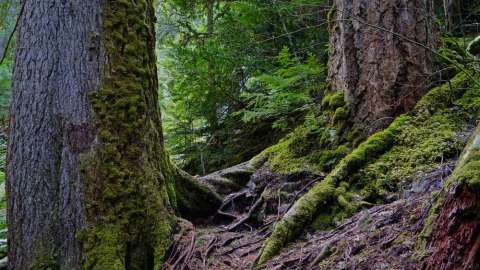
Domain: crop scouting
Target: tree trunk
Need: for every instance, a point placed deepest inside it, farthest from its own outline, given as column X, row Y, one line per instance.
column 455, row 231
column 453, row 13
column 89, row 183
column 373, row 60
column 56, row 64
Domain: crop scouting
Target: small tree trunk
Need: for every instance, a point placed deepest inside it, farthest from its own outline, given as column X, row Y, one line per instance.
column 381, row 73
column 453, row 13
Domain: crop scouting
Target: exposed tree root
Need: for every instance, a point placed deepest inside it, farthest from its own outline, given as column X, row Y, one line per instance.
column 330, row 192
column 382, row 237
column 194, row 198
column 304, row 210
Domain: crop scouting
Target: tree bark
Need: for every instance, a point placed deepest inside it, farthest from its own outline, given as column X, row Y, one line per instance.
column 88, row 181
column 454, row 242
column 453, row 13
column 373, row 61
column 56, row 65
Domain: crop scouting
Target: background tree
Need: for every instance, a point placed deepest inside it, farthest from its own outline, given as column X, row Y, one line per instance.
column 381, row 73
column 374, row 60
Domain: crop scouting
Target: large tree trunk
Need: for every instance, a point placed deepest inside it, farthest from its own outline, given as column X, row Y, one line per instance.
column 56, row 65
column 373, row 60
column 89, row 184
column 377, row 63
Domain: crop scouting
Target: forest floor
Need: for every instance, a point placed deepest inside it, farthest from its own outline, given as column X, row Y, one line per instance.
column 380, row 237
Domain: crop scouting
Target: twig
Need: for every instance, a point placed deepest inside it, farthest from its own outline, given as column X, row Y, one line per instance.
column 250, row 212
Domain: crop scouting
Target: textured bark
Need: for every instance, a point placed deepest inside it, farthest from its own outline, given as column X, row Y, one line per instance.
column 456, row 234
column 453, row 13
column 380, row 72
column 56, row 65
column 89, row 183
column 455, row 240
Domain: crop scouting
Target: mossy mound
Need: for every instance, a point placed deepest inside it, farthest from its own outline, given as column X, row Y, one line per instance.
column 318, row 144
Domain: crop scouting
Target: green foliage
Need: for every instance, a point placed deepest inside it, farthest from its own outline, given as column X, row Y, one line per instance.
column 5, row 86
column 221, row 65
column 285, row 92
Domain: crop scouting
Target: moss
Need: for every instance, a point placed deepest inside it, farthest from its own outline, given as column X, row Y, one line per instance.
column 289, row 155
column 430, row 137
column 332, row 23
column 129, row 180
column 193, row 198
column 341, row 114
column 474, row 47
column 315, row 146
column 110, row 248
column 468, row 165
column 420, row 147
column 444, row 95
column 304, row 210
column 333, row 100
column 337, row 100
column 412, row 143
column 45, row 263
column 424, row 236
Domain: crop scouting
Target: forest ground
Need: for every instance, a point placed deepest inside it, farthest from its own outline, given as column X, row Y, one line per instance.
column 383, row 236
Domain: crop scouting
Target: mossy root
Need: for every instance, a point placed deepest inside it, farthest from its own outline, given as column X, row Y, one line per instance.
column 325, row 192
column 304, row 210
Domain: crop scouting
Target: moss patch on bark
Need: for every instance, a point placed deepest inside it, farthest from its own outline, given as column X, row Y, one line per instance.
column 130, row 190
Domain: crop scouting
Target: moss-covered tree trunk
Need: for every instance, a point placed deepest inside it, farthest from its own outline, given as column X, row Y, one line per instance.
column 374, row 60
column 454, row 241
column 89, row 184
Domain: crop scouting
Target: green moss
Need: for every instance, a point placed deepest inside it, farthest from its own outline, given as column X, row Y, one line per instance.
column 289, row 155
column 333, row 100
column 429, row 138
column 474, row 46
column 336, row 100
column 468, row 165
column 411, row 144
column 193, row 198
column 424, row 236
column 332, row 23
column 341, row 114
column 420, row 147
column 444, row 95
column 129, row 179
column 321, row 194
column 45, row 263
